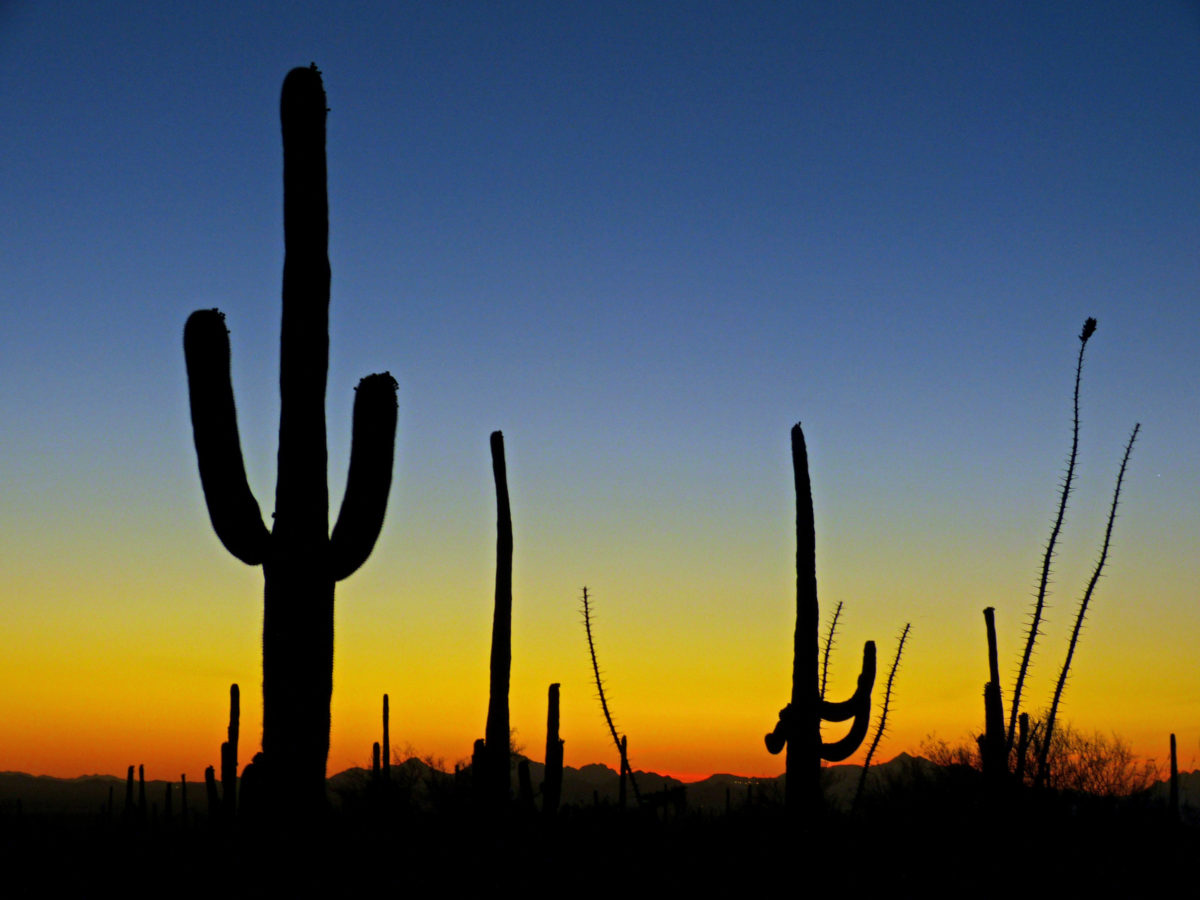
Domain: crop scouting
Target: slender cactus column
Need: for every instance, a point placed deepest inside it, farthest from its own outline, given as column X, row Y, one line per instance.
column 552, row 785
column 994, row 744
column 387, row 742
column 229, row 754
column 497, row 731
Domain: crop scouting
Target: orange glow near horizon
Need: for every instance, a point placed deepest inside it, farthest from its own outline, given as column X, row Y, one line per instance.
column 148, row 681
column 92, row 719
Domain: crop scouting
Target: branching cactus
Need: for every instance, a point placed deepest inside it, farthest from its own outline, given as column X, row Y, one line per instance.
column 301, row 560
column 799, row 725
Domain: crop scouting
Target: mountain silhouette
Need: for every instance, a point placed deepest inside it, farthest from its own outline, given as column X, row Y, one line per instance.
column 88, row 795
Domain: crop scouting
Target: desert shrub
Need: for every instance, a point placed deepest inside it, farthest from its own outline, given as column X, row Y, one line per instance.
column 942, row 753
column 1097, row 764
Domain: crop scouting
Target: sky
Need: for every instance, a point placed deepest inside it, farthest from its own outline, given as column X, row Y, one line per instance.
column 643, row 240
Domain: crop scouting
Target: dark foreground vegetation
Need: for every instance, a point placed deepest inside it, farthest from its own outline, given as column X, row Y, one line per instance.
column 918, row 827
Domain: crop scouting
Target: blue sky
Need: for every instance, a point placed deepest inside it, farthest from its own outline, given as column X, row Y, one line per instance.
column 643, row 239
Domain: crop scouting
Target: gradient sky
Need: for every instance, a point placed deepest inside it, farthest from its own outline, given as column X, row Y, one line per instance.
column 643, row 240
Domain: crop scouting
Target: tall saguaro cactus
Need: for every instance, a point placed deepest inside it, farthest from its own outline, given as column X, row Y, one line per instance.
column 799, row 725
column 301, row 560
column 496, row 733
column 993, row 745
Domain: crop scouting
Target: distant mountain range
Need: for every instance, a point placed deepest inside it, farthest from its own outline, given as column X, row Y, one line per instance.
column 595, row 783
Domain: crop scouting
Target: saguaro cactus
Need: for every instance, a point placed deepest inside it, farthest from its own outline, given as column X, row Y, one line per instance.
column 799, row 725
column 229, row 753
column 1173, row 800
column 130, row 810
column 301, row 560
column 210, row 791
column 552, row 784
column 496, row 732
column 993, row 745
column 387, row 742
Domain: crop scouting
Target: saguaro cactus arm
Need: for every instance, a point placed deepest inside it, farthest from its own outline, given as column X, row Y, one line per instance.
column 840, row 712
column 858, row 707
column 232, row 508
column 369, row 480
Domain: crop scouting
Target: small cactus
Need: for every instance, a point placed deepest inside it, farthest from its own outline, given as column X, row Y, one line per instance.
column 799, row 726
column 1174, row 785
column 229, row 754
column 387, row 743
column 129, row 811
column 552, row 783
column 210, row 791
column 1023, row 738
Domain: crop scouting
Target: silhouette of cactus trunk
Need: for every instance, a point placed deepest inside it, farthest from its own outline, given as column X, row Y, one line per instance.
column 387, row 741
column 799, row 725
column 993, row 746
column 552, row 783
column 1173, row 797
column 496, row 735
column 301, row 560
column 229, row 754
